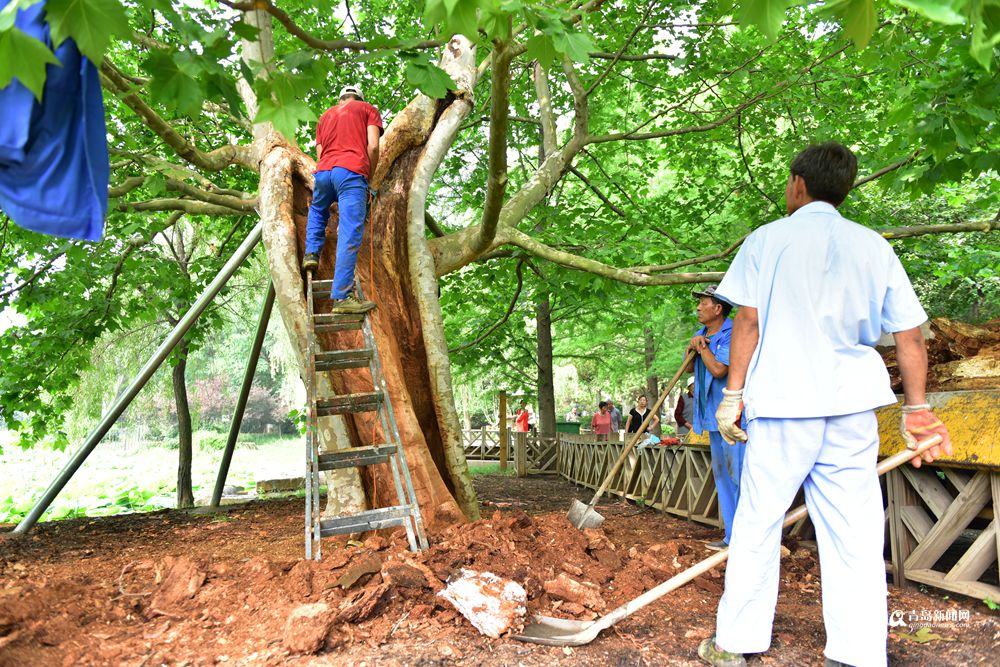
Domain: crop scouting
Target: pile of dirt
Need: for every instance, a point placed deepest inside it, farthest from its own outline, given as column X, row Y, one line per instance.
column 959, row 356
column 187, row 589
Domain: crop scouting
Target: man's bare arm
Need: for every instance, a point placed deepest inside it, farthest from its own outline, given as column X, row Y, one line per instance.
column 918, row 422
column 374, row 132
column 911, row 355
column 319, row 152
column 742, row 346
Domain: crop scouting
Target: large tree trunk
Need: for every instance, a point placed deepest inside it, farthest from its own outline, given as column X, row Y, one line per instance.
column 546, row 383
column 396, row 271
column 185, row 494
column 652, row 382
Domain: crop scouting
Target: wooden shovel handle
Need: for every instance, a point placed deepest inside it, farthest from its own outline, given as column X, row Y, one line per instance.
column 645, row 424
column 711, row 562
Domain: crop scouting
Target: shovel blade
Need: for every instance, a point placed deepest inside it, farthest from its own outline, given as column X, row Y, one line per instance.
column 552, row 631
column 584, row 516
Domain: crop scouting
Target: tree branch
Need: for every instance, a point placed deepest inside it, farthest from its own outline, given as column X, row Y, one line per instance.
column 38, row 271
column 635, row 135
column 954, row 228
column 888, row 169
column 322, row 44
column 603, row 197
column 215, row 160
column 628, row 276
column 189, row 206
column 499, row 323
column 604, row 55
column 433, row 225
column 496, row 181
column 621, row 52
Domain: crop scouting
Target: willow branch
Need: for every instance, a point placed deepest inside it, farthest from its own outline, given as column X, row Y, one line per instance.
column 215, row 160
column 499, row 323
column 322, row 44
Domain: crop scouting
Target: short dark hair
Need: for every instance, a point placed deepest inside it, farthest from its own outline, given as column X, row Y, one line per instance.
column 829, row 170
column 350, row 96
column 602, row 404
column 726, row 306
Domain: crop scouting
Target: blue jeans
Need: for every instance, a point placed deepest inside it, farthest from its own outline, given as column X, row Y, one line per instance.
column 727, row 464
column 350, row 191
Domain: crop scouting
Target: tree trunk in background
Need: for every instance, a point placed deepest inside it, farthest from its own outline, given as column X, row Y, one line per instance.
column 546, row 382
column 185, row 494
column 652, row 382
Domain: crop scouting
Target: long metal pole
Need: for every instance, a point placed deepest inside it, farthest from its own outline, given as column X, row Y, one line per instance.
column 140, row 380
column 241, row 402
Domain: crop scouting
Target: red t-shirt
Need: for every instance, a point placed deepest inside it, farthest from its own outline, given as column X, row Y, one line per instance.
column 601, row 423
column 342, row 131
column 521, row 421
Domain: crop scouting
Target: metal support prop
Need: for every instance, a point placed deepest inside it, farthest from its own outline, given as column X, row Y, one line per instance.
column 126, row 397
column 241, row 402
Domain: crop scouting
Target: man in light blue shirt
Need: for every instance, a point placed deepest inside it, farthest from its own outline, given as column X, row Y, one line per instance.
column 815, row 291
column 711, row 366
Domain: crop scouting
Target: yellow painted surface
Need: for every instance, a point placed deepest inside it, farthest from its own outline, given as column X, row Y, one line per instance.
column 972, row 418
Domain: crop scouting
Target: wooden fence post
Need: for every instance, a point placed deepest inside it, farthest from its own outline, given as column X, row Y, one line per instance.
column 504, row 453
column 521, row 454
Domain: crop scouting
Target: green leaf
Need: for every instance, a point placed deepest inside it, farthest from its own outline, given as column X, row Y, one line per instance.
column 174, row 82
column 541, row 48
column 463, row 18
column 935, row 10
column 286, row 116
column 857, row 17
column 575, row 44
column 430, row 79
column 24, row 58
column 90, row 23
column 985, row 20
column 245, row 31
column 767, row 15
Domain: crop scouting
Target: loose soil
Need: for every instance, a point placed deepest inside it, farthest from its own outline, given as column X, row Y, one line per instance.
column 176, row 588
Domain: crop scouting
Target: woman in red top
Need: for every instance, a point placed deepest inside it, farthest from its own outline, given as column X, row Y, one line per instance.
column 601, row 421
column 521, row 420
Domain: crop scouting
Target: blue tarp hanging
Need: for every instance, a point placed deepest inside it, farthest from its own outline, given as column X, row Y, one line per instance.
column 53, row 155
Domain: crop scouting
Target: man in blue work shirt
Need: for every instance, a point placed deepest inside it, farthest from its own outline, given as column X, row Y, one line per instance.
column 711, row 367
column 815, row 291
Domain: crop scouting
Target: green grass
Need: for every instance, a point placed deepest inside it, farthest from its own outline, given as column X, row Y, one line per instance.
column 491, row 469
column 115, row 481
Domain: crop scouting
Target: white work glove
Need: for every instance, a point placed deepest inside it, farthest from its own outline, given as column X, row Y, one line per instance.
column 917, row 422
column 728, row 416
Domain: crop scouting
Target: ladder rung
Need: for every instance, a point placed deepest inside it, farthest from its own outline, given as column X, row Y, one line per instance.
column 356, row 456
column 344, row 320
column 341, row 359
column 323, row 286
column 348, row 403
column 385, row 517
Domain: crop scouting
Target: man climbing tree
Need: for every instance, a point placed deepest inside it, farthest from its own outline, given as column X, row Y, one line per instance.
column 347, row 138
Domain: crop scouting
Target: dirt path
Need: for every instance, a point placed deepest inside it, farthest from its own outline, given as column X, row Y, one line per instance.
column 176, row 588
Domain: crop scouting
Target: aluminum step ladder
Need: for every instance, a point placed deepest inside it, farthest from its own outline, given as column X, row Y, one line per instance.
column 406, row 514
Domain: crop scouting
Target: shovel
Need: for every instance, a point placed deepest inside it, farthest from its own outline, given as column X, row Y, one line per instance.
column 564, row 632
column 585, row 516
